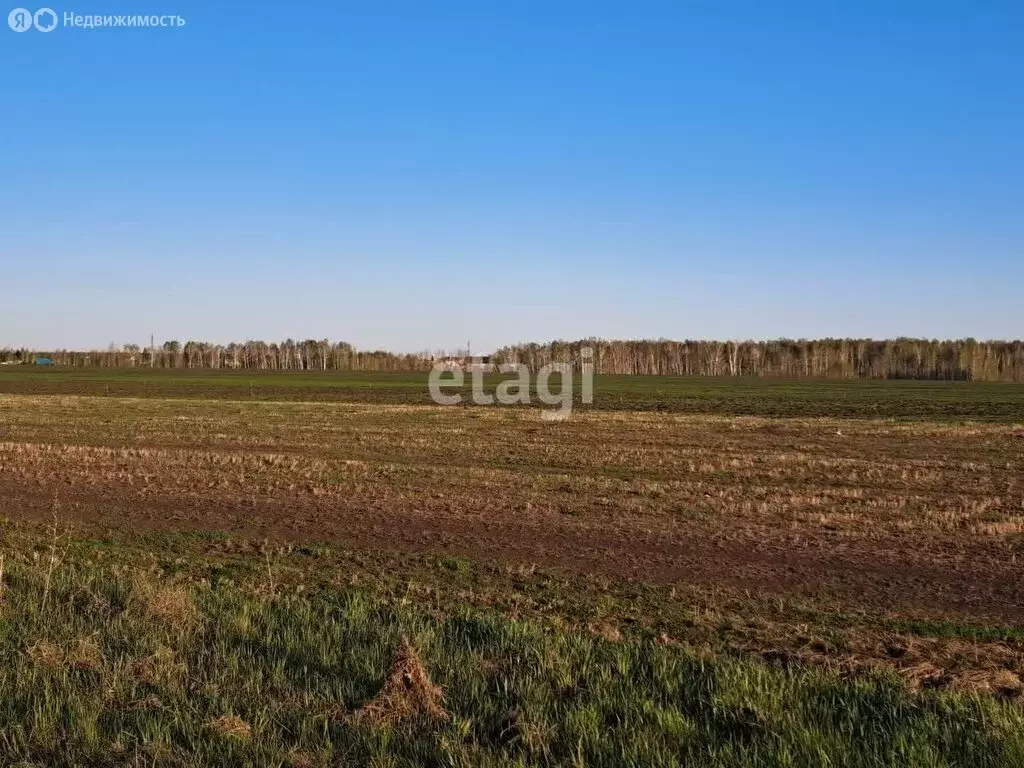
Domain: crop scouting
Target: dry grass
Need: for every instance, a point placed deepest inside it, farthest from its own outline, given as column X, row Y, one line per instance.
column 159, row 668
column 45, row 653
column 501, row 483
column 899, row 478
column 606, row 630
column 170, row 604
column 408, row 691
column 81, row 654
column 232, row 726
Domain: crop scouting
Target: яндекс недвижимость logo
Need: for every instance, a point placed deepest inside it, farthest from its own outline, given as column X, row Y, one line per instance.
column 22, row 19
column 47, row 20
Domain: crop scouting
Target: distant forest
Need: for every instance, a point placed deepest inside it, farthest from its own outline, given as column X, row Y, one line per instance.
column 904, row 358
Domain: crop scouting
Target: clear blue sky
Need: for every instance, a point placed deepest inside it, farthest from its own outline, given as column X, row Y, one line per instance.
column 412, row 175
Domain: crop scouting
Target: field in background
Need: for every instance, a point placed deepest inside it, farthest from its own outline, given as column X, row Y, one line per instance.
column 853, row 398
column 696, row 571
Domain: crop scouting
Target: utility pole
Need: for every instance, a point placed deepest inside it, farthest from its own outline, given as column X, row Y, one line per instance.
column 152, row 351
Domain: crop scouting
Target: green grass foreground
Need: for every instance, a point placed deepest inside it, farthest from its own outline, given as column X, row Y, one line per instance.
column 107, row 665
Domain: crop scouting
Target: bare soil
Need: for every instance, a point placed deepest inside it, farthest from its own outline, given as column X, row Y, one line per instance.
column 920, row 518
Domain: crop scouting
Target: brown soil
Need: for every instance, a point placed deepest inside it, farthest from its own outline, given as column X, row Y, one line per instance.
column 939, row 577
column 925, row 518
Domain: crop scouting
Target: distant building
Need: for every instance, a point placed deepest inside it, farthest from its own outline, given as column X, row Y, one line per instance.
column 43, row 361
column 471, row 363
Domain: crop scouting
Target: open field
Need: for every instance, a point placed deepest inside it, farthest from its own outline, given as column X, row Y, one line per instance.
column 699, row 571
column 854, row 398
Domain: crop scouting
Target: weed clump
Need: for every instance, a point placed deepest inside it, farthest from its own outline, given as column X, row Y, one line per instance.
column 168, row 604
column 232, row 726
column 408, row 691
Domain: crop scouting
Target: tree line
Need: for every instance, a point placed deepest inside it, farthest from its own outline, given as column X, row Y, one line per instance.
column 902, row 358
column 289, row 355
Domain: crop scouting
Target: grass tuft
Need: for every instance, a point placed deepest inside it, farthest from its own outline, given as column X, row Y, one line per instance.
column 408, row 691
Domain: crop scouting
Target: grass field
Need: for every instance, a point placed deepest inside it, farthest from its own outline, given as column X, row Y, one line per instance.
column 975, row 401
column 297, row 569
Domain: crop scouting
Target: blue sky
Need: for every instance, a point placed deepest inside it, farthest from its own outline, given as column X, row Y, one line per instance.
column 413, row 175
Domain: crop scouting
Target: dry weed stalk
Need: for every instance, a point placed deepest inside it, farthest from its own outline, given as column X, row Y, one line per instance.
column 57, row 554
column 270, row 573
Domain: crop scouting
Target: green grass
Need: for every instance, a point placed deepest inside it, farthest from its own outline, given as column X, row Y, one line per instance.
column 974, row 401
column 124, row 665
